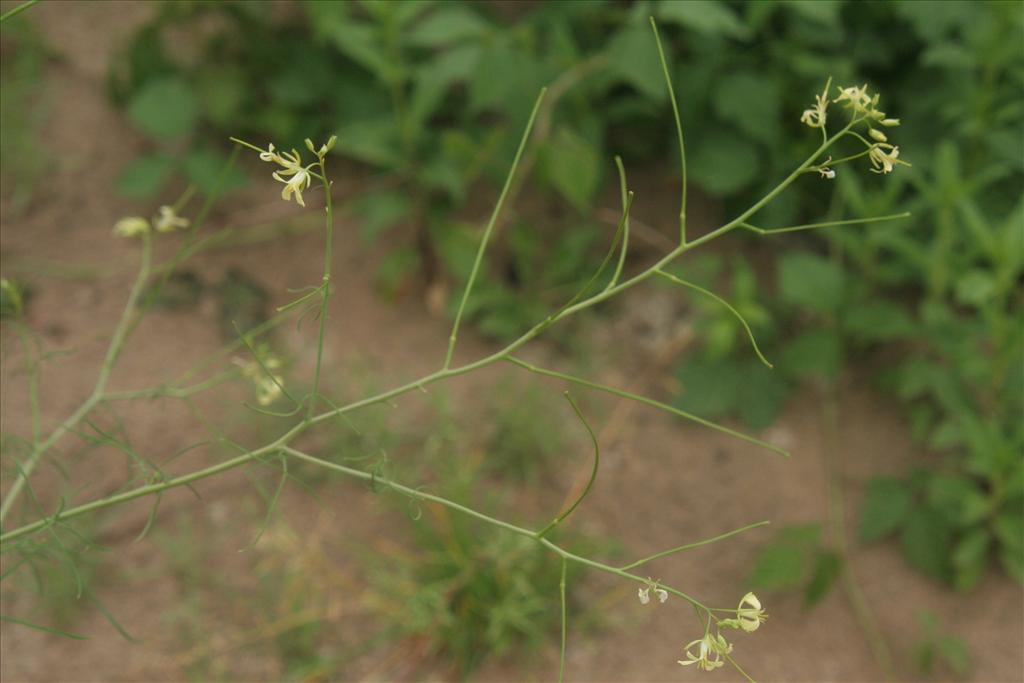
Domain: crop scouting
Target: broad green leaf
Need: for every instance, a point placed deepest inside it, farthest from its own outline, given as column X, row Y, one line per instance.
column 810, row 282
column 706, row 16
column 927, row 538
column 934, row 20
column 788, row 560
column 975, row 288
column 709, row 389
column 165, row 108
column 778, row 567
column 449, row 24
column 722, row 163
column 381, row 211
column 221, row 90
column 457, row 245
column 765, row 392
column 396, row 269
column 828, row 565
column 145, row 176
column 374, row 142
column 1009, row 527
column 633, row 58
column 959, row 498
column 957, row 655
column 885, row 508
column 813, row 354
column 203, row 167
column 752, row 101
column 360, row 42
column 573, row 166
column 1012, row 560
column 506, row 79
column 876, row 321
column 435, row 78
column 825, row 12
column 970, row 558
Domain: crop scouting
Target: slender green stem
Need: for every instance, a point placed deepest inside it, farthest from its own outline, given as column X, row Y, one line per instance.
column 824, row 224
column 740, row 669
column 561, row 592
column 17, row 10
column 183, row 252
column 708, row 293
column 406, row 490
column 487, row 232
column 679, row 132
column 421, row 495
column 154, row 488
column 690, row 546
column 113, row 351
column 443, row 374
column 171, row 391
column 648, row 401
column 626, row 202
column 325, row 290
column 841, row 160
column 593, row 472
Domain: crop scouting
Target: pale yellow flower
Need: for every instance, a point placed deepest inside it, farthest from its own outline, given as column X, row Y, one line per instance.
column 710, row 650
column 131, row 226
column 167, row 220
column 884, row 161
column 749, row 613
column 293, row 174
column 299, row 181
column 857, row 98
column 815, row 116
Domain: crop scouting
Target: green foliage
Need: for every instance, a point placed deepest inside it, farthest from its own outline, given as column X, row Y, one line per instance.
column 948, row 528
column 22, row 109
column 470, row 595
column 527, row 433
column 887, row 504
column 937, row 650
column 15, row 296
column 797, row 560
column 164, row 108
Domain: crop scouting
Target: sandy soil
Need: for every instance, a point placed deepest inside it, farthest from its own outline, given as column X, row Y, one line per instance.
column 662, row 483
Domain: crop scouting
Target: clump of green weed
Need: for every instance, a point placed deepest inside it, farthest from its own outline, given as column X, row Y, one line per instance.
column 527, row 431
column 468, row 594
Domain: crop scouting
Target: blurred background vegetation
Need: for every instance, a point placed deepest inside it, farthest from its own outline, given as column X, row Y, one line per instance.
column 428, row 99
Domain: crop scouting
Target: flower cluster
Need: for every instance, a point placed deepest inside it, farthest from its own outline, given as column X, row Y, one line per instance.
column 708, row 652
column 166, row 220
column 293, row 174
column 883, row 155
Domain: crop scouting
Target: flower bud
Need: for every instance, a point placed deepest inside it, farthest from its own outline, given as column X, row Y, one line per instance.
column 878, row 135
column 889, row 123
